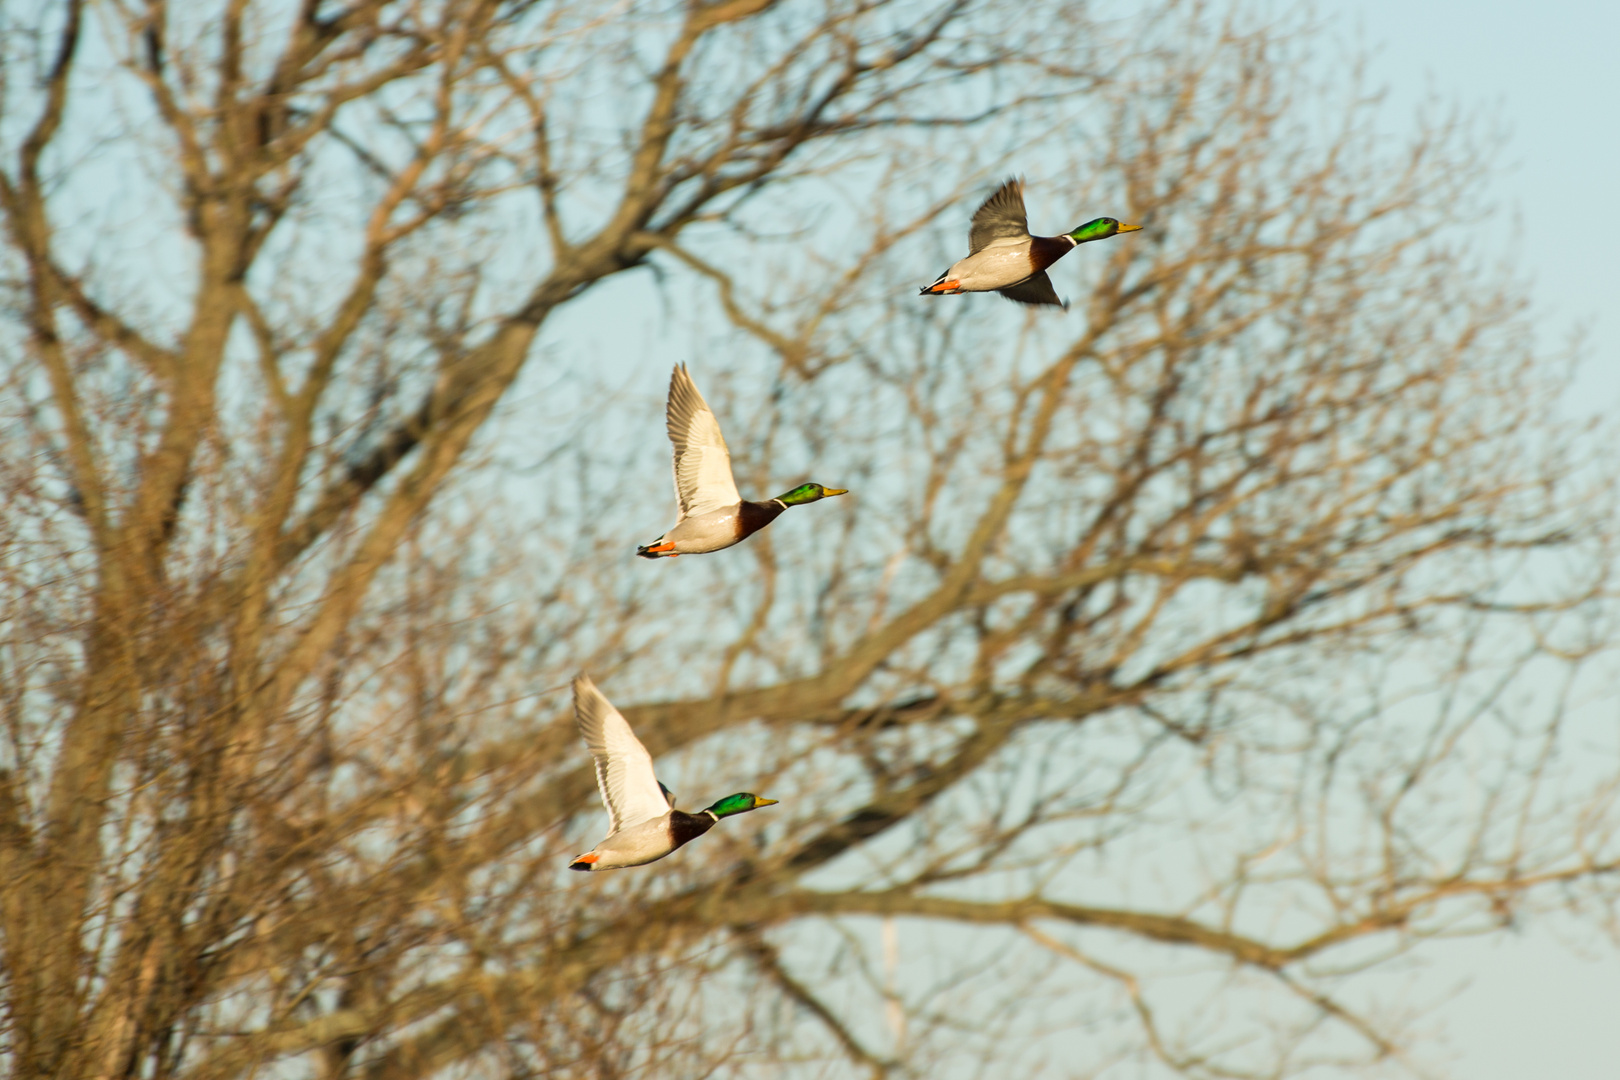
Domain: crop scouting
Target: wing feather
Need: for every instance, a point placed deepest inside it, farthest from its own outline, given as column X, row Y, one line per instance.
column 1000, row 218
column 624, row 769
column 1035, row 289
column 703, row 480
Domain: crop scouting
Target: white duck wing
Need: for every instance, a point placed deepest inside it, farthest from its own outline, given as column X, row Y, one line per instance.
column 624, row 769
column 703, row 480
column 1000, row 218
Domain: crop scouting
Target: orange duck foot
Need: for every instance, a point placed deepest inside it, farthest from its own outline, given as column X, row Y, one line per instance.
column 666, row 550
column 585, row 862
column 950, row 286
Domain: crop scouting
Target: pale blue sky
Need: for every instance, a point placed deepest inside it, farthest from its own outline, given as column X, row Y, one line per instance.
column 1530, row 1007
column 1548, row 71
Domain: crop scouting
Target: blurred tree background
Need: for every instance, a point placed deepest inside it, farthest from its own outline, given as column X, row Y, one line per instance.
column 1178, row 662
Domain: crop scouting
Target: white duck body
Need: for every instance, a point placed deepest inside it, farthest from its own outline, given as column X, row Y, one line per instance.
column 710, row 514
column 1000, row 265
column 643, row 824
column 637, row 805
column 1003, row 257
column 698, row 534
column 640, row 844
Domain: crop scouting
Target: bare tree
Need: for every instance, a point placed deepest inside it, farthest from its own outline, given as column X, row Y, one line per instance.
column 1184, row 656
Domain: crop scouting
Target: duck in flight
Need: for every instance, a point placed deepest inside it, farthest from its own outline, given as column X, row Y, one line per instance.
column 710, row 513
column 1003, row 257
column 643, row 824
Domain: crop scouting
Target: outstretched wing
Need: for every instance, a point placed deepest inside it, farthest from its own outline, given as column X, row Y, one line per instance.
column 703, row 479
column 1035, row 289
column 624, row 769
column 1000, row 218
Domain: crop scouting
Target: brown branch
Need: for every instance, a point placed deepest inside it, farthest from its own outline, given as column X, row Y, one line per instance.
column 769, row 961
column 1164, row 929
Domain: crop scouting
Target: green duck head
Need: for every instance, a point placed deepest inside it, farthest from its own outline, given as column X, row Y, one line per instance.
column 808, row 493
column 1101, row 229
column 738, row 804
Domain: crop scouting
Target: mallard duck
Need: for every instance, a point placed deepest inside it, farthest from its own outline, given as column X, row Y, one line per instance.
column 1004, row 258
column 643, row 824
column 710, row 513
